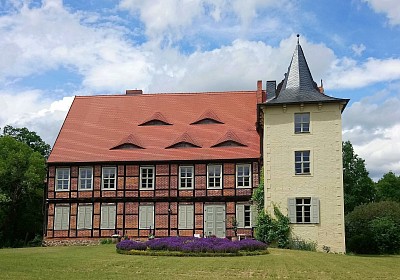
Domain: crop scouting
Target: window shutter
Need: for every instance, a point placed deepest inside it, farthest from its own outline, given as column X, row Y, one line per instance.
column 254, row 215
column 292, row 209
column 315, row 210
column 189, row 216
column 81, row 217
column 150, row 220
column 88, row 216
column 65, row 218
column 104, row 217
column 111, row 216
column 57, row 218
column 182, row 216
column 240, row 215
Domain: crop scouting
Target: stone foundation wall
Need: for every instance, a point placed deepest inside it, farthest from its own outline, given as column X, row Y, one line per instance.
column 70, row 242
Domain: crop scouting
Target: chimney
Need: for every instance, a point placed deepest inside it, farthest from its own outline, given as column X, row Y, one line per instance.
column 260, row 93
column 133, row 91
column 271, row 89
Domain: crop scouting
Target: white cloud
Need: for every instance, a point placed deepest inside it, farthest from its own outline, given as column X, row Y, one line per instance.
column 358, row 49
column 390, row 8
column 372, row 125
column 348, row 73
column 33, row 110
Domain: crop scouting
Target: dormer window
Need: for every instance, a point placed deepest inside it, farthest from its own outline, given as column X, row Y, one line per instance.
column 128, row 143
column 184, row 141
column 183, row 145
column 230, row 139
column 208, row 117
column 156, row 119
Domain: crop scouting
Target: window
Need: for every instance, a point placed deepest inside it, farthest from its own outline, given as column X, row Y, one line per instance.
column 214, row 176
column 301, row 122
column 186, row 177
column 62, row 179
column 85, row 178
column 146, row 216
column 302, row 162
column 109, row 178
column 243, row 175
column 186, row 216
column 61, row 218
column 147, row 177
column 85, row 216
column 303, row 210
column 108, row 212
column 245, row 215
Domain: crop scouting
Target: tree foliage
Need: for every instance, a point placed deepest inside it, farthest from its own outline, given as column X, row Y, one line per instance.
column 22, row 174
column 388, row 187
column 30, row 138
column 358, row 186
column 374, row 228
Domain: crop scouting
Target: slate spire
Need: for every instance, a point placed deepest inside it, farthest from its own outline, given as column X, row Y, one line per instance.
column 299, row 75
column 298, row 85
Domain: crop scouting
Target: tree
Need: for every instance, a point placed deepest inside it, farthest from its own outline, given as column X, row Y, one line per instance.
column 28, row 137
column 358, row 186
column 374, row 228
column 22, row 174
column 388, row 187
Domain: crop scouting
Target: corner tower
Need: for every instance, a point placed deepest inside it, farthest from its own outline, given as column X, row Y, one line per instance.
column 303, row 156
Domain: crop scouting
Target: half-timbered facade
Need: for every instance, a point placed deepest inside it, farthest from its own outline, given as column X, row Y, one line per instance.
column 155, row 164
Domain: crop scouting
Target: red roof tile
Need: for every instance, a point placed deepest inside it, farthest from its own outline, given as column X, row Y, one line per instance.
column 130, row 140
column 184, row 138
column 157, row 116
column 95, row 124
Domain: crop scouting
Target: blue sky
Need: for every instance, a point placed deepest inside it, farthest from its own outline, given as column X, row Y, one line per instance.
column 52, row 50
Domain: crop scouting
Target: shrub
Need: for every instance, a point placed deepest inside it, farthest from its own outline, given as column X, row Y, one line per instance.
column 374, row 228
column 193, row 245
column 297, row 243
column 273, row 231
column 131, row 245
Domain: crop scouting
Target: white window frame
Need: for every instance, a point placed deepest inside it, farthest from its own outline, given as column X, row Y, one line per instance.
column 186, row 178
column 104, row 186
column 183, row 211
column 301, row 124
column 214, row 177
column 149, row 224
column 144, row 178
column 85, row 179
column 302, row 163
column 63, row 180
column 111, row 221
column 241, row 210
column 87, row 223
column 65, row 210
column 298, row 204
column 243, row 176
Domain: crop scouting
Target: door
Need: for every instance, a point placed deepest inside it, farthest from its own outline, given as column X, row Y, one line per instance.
column 214, row 220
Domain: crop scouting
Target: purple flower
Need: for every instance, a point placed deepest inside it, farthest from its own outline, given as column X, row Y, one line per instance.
column 251, row 245
column 131, row 245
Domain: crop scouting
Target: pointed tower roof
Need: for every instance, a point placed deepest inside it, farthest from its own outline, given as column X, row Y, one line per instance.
column 298, row 85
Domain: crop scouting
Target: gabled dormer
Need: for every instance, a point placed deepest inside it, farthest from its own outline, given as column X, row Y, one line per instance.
column 208, row 117
column 230, row 139
column 184, row 141
column 156, row 119
column 128, row 143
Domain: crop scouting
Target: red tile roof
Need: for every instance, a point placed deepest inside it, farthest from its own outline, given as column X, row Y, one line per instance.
column 96, row 124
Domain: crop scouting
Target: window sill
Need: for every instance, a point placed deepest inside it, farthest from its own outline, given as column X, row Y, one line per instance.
column 62, row 190
column 85, row 190
column 208, row 188
column 186, row 189
column 147, row 189
column 108, row 189
column 247, row 187
column 303, row 175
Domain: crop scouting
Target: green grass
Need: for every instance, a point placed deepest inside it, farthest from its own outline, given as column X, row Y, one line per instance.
column 102, row 262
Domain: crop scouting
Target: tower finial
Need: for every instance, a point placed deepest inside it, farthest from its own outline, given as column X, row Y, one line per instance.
column 298, row 35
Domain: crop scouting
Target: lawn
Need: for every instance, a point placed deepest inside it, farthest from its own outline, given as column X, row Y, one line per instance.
column 101, row 262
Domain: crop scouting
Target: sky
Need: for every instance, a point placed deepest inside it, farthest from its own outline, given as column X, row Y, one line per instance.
column 52, row 50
